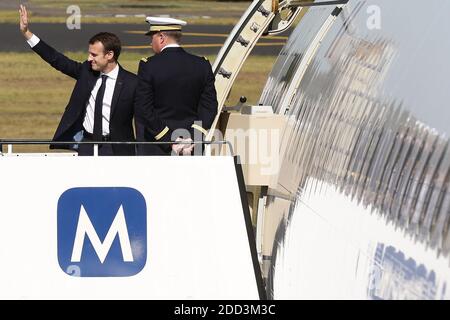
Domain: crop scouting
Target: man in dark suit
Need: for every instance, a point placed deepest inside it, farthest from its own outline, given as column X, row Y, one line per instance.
column 176, row 98
column 101, row 107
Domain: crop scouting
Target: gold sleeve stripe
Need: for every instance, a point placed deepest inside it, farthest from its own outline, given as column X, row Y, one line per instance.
column 162, row 133
column 197, row 127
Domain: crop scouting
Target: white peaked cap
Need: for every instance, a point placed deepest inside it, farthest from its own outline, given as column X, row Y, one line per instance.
column 158, row 24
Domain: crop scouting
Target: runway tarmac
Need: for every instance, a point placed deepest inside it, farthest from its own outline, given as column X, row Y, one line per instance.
column 198, row 39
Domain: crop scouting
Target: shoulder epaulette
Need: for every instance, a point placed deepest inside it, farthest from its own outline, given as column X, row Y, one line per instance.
column 145, row 59
column 205, row 58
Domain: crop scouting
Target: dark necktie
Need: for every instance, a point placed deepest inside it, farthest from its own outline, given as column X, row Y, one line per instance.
column 98, row 115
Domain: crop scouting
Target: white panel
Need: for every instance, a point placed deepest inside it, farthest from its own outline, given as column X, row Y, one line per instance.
column 197, row 245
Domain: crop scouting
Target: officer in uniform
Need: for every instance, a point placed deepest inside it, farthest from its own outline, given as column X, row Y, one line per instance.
column 175, row 99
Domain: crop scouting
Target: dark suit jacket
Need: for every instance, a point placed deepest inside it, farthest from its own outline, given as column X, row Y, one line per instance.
column 175, row 90
column 122, row 105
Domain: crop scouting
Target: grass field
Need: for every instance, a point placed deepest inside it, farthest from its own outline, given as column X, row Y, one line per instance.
column 33, row 95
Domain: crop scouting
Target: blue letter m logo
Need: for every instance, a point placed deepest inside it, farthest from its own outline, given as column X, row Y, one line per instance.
column 102, row 232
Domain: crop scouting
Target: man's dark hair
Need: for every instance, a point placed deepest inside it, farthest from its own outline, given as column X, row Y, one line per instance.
column 110, row 41
column 176, row 35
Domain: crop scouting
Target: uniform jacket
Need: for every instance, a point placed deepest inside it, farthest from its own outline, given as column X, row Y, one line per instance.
column 175, row 90
column 122, row 105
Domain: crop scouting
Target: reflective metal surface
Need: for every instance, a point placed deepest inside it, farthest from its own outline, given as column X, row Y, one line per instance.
column 370, row 114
